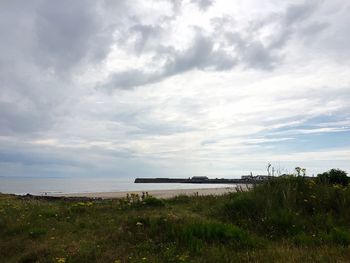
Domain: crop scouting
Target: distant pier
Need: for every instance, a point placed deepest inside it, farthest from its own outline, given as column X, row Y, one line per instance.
column 205, row 180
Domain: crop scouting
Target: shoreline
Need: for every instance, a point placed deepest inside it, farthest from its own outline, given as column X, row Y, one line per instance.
column 156, row 193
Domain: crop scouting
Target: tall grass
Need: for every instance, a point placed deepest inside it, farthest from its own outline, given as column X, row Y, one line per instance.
column 290, row 206
column 283, row 220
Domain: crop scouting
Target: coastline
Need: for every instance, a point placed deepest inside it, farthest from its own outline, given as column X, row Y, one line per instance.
column 157, row 193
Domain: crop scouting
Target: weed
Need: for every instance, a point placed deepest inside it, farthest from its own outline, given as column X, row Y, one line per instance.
column 36, row 232
column 274, row 221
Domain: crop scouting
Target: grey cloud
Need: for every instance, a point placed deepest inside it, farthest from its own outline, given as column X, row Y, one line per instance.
column 252, row 53
column 43, row 44
column 232, row 47
column 335, row 38
column 313, row 28
column 130, row 79
column 20, row 152
column 162, row 128
column 255, row 54
column 145, row 36
column 27, row 159
column 300, row 12
column 68, row 32
column 34, row 159
column 57, row 35
column 203, row 4
column 19, row 120
column 144, row 124
column 29, row 100
column 296, row 21
column 200, row 55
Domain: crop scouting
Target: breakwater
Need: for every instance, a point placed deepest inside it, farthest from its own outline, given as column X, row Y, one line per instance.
column 197, row 181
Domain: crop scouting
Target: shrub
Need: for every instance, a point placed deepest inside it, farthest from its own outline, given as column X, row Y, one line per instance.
column 303, row 239
column 340, row 236
column 282, row 223
column 36, row 232
column 334, row 176
column 2, row 224
column 48, row 213
column 242, row 205
column 180, row 199
column 215, row 232
column 153, row 201
column 288, row 206
column 39, row 255
column 88, row 252
column 133, row 201
column 78, row 209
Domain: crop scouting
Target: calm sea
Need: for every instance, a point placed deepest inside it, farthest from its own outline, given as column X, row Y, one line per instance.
column 40, row 186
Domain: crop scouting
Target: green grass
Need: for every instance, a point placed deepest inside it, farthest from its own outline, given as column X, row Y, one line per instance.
column 284, row 220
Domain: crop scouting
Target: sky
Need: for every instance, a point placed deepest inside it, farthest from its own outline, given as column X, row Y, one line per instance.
column 173, row 88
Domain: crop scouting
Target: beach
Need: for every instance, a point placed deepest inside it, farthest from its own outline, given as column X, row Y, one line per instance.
column 157, row 193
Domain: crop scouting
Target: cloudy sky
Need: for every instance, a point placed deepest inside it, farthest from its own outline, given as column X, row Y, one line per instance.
column 173, row 88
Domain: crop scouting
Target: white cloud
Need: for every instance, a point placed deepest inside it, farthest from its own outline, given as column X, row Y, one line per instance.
column 204, row 87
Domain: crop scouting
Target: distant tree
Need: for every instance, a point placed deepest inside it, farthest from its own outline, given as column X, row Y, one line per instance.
column 298, row 170
column 334, row 176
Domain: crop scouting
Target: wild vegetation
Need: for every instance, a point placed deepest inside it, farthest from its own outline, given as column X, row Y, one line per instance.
column 289, row 219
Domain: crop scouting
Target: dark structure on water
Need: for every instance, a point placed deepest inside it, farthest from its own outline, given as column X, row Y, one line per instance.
column 205, row 180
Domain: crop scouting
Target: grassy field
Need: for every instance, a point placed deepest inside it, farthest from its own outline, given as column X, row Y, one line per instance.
column 283, row 220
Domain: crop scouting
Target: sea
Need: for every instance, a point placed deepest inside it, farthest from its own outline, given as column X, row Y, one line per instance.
column 64, row 185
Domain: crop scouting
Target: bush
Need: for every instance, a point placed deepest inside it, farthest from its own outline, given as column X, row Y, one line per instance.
column 306, row 240
column 140, row 201
column 340, row 236
column 36, row 232
column 39, row 255
column 153, row 201
column 211, row 232
column 334, row 176
column 87, row 253
column 243, row 205
column 289, row 206
column 180, row 199
column 282, row 223
column 191, row 233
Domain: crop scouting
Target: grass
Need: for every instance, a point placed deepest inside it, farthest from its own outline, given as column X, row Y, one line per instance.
column 283, row 220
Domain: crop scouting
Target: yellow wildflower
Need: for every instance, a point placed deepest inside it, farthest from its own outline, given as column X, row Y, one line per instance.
column 60, row 260
column 183, row 258
column 311, row 182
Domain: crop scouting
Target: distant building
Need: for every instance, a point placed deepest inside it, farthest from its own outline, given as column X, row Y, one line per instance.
column 256, row 177
column 262, row 177
column 199, row 178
